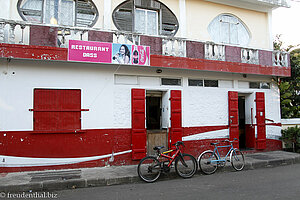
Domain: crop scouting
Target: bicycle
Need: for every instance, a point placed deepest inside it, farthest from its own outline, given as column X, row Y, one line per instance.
column 150, row 167
column 209, row 160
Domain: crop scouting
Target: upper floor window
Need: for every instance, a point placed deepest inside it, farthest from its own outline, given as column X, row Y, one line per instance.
column 146, row 21
column 63, row 12
column 145, row 16
column 228, row 29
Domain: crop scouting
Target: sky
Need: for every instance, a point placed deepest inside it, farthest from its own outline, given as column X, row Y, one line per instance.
column 286, row 22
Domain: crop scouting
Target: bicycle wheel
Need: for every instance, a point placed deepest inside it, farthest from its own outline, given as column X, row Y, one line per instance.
column 205, row 162
column 149, row 169
column 237, row 159
column 186, row 166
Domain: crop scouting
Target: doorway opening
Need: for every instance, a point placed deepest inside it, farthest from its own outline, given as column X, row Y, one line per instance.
column 242, row 122
column 156, row 130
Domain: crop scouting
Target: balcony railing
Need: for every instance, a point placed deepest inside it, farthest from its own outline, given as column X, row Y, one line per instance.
column 249, row 56
column 20, row 32
column 214, row 51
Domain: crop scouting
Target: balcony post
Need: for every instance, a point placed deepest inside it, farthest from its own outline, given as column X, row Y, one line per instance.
column 12, row 35
column 2, row 25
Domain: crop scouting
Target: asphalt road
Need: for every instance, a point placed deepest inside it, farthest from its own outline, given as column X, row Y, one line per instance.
column 268, row 183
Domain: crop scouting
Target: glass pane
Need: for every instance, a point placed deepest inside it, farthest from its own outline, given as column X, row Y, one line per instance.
column 265, row 85
column 211, row 83
column 229, row 30
column 66, row 13
column 152, row 22
column 140, row 21
column 194, row 82
column 32, row 10
column 234, row 34
column 51, row 12
column 170, row 81
column 224, row 32
column 59, row 12
column 254, row 85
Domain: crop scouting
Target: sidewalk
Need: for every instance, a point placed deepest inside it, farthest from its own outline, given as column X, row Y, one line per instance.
column 52, row 180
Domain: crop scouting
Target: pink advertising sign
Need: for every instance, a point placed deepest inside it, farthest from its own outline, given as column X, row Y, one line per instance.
column 87, row 51
column 101, row 52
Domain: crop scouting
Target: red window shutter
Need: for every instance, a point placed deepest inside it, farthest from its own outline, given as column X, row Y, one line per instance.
column 57, row 109
column 233, row 118
column 176, row 117
column 260, row 120
column 138, row 116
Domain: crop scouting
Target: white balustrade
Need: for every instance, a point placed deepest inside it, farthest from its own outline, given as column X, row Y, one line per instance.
column 17, row 32
column 214, row 51
column 174, row 47
column 126, row 38
column 12, row 32
column 2, row 37
column 285, row 3
column 249, row 56
column 280, row 59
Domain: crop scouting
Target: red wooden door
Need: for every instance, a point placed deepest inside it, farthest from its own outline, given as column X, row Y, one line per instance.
column 57, row 109
column 260, row 120
column 176, row 117
column 233, row 111
column 139, row 136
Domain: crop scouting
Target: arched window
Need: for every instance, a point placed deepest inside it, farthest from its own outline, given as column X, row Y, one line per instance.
column 63, row 12
column 145, row 16
column 228, row 29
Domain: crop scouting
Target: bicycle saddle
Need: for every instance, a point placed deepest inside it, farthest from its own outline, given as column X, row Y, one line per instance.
column 158, row 148
column 214, row 143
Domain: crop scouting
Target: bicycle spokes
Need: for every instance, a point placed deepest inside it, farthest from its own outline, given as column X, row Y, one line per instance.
column 186, row 166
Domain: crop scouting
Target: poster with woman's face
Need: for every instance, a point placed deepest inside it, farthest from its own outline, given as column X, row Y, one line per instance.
column 121, row 53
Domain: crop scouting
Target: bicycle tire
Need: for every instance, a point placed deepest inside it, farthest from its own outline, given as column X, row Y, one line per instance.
column 237, row 159
column 149, row 169
column 186, row 166
column 205, row 164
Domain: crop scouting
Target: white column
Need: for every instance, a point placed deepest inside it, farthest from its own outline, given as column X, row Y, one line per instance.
column 107, row 15
column 270, row 27
column 182, row 18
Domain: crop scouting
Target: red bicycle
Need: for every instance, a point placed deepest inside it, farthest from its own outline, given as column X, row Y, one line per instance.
column 150, row 167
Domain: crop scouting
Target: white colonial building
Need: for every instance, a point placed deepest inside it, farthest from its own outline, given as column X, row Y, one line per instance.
column 145, row 73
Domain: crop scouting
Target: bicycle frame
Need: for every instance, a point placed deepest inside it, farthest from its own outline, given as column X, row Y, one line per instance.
column 216, row 151
column 170, row 158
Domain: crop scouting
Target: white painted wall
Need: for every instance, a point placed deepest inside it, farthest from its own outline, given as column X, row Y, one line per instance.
column 5, row 5
column 109, row 99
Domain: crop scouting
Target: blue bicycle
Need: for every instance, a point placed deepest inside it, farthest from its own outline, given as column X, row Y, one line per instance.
column 209, row 161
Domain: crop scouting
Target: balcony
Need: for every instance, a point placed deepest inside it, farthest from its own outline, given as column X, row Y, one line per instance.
column 258, row 5
column 50, row 42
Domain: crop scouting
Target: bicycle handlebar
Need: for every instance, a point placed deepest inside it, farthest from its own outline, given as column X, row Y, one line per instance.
column 179, row 143
column 229, row 140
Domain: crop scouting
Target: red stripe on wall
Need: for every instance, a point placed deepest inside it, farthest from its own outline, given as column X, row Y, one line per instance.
column 55, row 53
column 61, row 145
column 220, row 66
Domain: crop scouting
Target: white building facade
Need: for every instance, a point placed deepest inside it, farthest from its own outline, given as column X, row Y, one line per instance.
column 212, row 75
